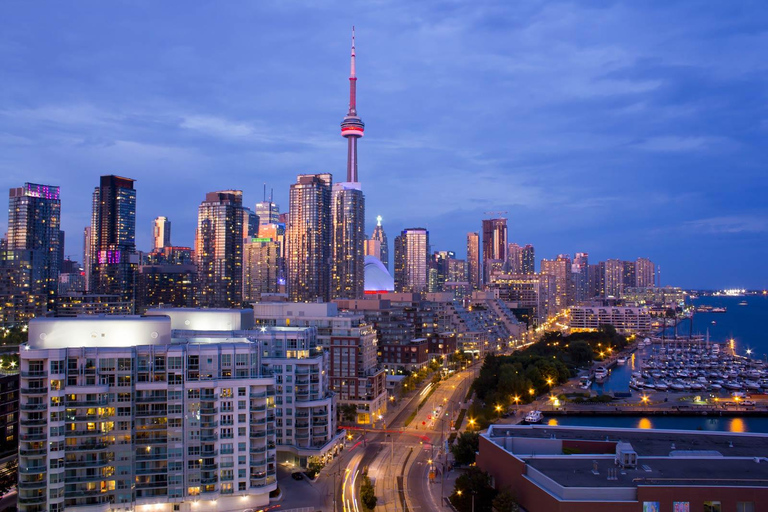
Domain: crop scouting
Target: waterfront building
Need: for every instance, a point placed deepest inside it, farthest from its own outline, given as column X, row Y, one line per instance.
column 219, row 249
column 561, row 270
column 351, row 343
column 113, row 257
column 626, row 470
column 34, row 220
column 411, row 254
column 645, row 273
column 580, row 277
column 530, row 296
column 613, row 278
column 671, row 296
column 309, row 239
column 474, row 268
column 494, row 244
column 380, row 236
column 161, row 233
column 626, row 320
column 304, row 407
column 119, row 413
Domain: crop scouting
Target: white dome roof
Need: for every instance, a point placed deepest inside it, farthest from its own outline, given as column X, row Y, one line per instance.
column 377, row 278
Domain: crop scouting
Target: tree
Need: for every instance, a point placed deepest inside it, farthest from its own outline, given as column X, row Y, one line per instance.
column 473, row 484
column 465, row 448
column 367, row 493
column 347, row 412
column 505, row 502
column 580, row 352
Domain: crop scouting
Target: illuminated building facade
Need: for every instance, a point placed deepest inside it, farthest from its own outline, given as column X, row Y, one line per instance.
column 262, row 268
column 380, row 236
column 411, row 260
column 161, row 233
column 34, row 220
column 645, row 273
column 348, row 217
column 473, row 260
column 116, row 414
column 560, row 270
column 494, row 245
column 309, row 239
column 113, row 238
column 219, row 249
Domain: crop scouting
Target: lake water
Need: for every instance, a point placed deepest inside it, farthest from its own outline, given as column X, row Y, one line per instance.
column 744, row 324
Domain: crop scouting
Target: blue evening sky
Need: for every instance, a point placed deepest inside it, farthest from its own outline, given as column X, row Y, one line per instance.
column 622, row 129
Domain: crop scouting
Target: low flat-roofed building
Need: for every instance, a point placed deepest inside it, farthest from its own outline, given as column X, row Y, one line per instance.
column 598, row 469
column 626, row 320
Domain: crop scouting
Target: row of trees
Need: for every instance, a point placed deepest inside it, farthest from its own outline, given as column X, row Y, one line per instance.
column 473, row 491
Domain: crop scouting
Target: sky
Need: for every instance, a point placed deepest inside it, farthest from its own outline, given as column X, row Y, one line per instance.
column 621, row 129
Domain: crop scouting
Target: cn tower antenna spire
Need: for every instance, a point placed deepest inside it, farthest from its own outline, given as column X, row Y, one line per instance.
column 352, row 126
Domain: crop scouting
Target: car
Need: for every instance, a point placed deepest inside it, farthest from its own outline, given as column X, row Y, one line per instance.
column 297, row 476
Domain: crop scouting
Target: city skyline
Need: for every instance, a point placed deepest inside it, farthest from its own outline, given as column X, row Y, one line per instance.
column 620, row 140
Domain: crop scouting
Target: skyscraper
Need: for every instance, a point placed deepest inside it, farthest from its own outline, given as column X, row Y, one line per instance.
column 438, row 271
column 161, row 233
column 528, row 260
column 309, row 238
column 113, row 238
column 250, row 224
column 380, row 236
column 411, row 267
column 613, row 280
column 473, row 260
column 580, row 270
column 645, row 273
column 560, row 269
column 348, row 208
column 494, row 245
column 348, row 215
column 219, row 249
column 268, row 211
column 34, row 217
column 87, row 257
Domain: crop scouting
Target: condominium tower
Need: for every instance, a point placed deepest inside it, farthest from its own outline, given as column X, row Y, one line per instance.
column 411, row 260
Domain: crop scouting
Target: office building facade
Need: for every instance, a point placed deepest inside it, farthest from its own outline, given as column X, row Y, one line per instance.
column 161, row 233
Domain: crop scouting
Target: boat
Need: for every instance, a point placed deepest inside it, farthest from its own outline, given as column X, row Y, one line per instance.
column 621, row 360
column 660, row 386
column 720, row 310
column 585, row 382
column 743, row 303
column 715, row 386
column 534, row 417
column 752, row 385
column 677, row 386
column 600, row 373
column 729, row 384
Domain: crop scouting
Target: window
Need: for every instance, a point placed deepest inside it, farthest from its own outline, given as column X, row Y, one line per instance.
column 174, row 363
column 712, row 506
column 650, row 506
column 240, row 391
column 745, row 506
column 681, row 506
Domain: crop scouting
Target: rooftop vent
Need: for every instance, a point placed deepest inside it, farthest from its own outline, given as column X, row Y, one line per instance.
column 626, row 456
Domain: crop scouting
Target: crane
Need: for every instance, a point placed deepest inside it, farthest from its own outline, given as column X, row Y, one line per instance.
column 497, row 214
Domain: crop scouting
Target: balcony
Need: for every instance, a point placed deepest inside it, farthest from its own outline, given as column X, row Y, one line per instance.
column 210, row 467
column 152, row 471
column 151, row 412
column 33, row 485
column 151, row 399
column 37, row 452
column 208, row 437
column 209, row 424
column 258, row 449
column 32, row 500
column 33, row 407
column 207, row 411
column 88, row 447
column 151, row 456
column 34, row 391
column 39, row 374
column 86, row 403
column 74, row 464
column 33, row 436
column 208, row 480
column 33, row 470
column 33, row 421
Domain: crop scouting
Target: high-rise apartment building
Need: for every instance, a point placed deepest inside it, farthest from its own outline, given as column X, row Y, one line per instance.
column 528, row 260
column 628, row 275
column 348, row 257
column 351, row 343
column 219, row 249
column 113, row 238
column 262, row 268
column 381, row 237
column 494, row 245
column 613, row 280
column 87, row 257
column 560, row 269
column 116, row 414
column 438, row 270
column 250, row 224
column 268, row 212
column 309, row 239
column 411, row 265
column 34, row 218
column 18, row 301
column 645, row 273
column 580, row 270
column 473, row 260
column 166, row 284
column 161, row 233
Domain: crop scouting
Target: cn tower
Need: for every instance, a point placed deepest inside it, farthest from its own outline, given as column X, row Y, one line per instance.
column 348, row 209
column 352, row 126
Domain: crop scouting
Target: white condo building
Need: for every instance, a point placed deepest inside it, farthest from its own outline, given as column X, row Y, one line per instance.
column 122, row 413
column 626, row 320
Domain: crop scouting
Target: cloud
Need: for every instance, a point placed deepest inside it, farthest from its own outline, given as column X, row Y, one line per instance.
column 729, row 224
column 674, row 144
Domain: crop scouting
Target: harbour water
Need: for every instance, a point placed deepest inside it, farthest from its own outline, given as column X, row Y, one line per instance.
column 741, row 323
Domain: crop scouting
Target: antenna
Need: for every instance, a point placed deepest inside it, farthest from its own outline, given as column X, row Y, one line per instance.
column 265, row 192
column 271, row 192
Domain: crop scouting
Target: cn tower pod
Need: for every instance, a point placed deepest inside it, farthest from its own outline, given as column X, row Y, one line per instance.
column 352, row 127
